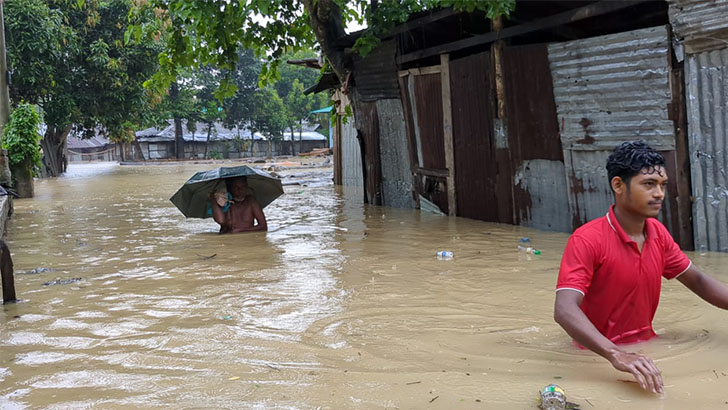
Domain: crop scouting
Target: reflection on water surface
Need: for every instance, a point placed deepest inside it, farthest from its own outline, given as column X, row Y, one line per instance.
column 340, row 305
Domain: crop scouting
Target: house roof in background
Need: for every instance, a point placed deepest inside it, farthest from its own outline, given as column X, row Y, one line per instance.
column 74, row 141
column 218, row 133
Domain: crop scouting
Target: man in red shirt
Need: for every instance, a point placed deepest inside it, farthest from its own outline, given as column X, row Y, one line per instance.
column 611, row 271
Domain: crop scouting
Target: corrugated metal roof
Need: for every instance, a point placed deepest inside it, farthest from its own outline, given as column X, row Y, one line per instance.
column 613, row 88
column 76, row 142
column 700, row 24
column 707, row 108
column 219, row 133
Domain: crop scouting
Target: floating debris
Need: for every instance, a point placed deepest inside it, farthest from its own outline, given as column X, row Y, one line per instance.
column 62, row 281
column 37, row 271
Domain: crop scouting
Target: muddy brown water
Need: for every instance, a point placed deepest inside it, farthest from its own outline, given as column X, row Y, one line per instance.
column 339, row 306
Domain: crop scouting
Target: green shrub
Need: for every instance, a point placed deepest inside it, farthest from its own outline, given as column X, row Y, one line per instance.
column 21, row 137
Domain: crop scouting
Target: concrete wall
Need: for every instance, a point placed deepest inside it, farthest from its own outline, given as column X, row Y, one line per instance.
column 4, row 213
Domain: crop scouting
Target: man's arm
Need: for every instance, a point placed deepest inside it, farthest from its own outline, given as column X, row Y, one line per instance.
column 569, row 315
column 217, row 214
column 710, row 289
column 259, row 216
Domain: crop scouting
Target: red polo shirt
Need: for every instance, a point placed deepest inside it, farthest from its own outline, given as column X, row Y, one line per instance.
column 621, row 286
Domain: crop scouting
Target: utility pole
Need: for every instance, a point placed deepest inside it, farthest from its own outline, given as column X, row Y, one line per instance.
column 4, row 94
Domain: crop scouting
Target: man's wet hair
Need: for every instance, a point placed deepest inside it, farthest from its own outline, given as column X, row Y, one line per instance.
column 630, row 158
column 230, row 181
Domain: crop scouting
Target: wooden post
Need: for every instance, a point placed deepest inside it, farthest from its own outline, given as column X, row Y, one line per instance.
column 448, row 137
column 6, row 271
column 338, row 166
column 498, row 58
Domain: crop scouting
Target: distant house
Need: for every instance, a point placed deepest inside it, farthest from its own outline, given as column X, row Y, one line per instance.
column 96, row 148
column 158, row 143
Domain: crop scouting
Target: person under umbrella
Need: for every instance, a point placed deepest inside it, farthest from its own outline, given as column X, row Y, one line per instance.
column 236, row 210
column 233, row 196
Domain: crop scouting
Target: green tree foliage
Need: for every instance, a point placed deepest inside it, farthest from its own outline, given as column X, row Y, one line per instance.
column 21, row 138
column 204, row 33
column 299, row 105
column 35, row 42
column 268, row 116
column 238, row 108
column 289, row 72
column 290, row 86
column 70, row 58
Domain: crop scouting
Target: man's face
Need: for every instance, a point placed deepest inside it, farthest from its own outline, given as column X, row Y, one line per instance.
column 646, row 191
column 240, row 188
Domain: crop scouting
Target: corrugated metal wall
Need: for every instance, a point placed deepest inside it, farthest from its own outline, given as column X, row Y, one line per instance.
column 700, row 24
column 473, row 141
column 422, row 102
column 396, row 174
column 369, row 145
column 706, row 76
column 428, row 107
column 539, row 192
column 608, row 89
column 351, row 167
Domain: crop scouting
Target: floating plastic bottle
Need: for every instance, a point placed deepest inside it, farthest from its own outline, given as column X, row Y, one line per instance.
column 444, row 255
column 552, row 397
column 529, row 249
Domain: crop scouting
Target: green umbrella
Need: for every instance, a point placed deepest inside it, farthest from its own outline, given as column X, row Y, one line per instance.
column 193, row 199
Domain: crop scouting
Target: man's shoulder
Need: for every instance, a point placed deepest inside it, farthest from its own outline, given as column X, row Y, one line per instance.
column 654, row 225
column 592, row 229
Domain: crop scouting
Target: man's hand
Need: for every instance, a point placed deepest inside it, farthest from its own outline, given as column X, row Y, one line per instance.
column 221, row 198
column 642, row 368
column 568, row 314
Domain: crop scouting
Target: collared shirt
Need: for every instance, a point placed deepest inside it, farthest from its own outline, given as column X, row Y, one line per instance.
column 620, row 284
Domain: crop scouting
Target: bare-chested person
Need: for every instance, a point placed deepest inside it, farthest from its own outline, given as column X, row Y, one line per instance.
column 243, row 210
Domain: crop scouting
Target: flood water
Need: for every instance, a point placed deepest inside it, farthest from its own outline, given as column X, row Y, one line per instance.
column 338, row 306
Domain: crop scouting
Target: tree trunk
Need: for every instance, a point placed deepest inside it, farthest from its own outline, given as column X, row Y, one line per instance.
column 293, row 138
column 209, row 131
column 54, row 150
column 179, row 143
column 327, row 24
column 300, row 136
